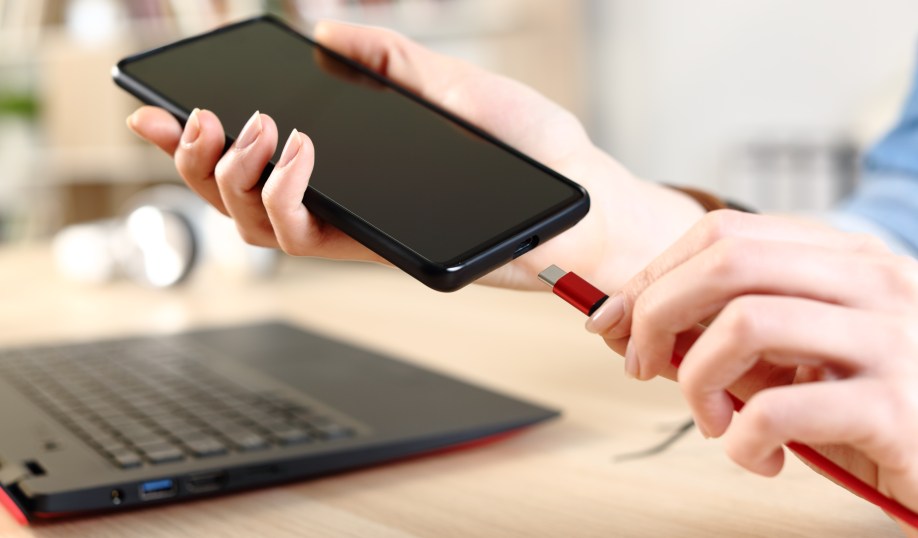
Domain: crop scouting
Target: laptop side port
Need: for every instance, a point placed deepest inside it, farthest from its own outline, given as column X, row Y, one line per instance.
column 158, row 489
column 205, row 482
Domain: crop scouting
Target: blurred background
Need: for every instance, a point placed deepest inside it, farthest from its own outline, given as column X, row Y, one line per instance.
column 770, row 102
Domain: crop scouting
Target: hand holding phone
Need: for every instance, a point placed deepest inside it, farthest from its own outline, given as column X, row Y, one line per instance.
column 630, row 224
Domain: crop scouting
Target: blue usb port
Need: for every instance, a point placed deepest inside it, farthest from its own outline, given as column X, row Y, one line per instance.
column 157, row 489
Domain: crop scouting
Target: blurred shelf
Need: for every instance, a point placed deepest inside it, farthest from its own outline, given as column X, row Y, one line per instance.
column 136, row 163
column 427, row 20
column 78, row 139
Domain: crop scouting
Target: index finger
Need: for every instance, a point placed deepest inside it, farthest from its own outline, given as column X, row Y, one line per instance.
column 157, row 126
column 714, row 227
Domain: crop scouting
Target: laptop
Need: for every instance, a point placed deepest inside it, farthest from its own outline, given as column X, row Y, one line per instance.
column 115, row 424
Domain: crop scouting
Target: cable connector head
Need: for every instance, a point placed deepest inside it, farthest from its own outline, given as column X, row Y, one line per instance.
column 552, row 275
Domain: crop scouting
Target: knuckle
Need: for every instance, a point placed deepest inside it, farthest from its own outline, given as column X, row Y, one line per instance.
column 569, row 126
column 235, row 170
column 223, row 170
column 902, row 396
column 647, row 309
column 254, row 235
column 184, row 163
column 248, row 236
column 721, row 224
column 905, row 339
column 640, row 283
column 302, row 246
column 269, row 197
column 396, row 47
column 689, row 381
column 762, row 417
column 908, row 270
column 741, row 319
column 899, row 404
column 727, row 257
column 900, row 275
column 864, row 242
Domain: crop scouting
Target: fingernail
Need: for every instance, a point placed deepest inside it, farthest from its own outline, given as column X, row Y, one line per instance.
column 192, row 128
column 632, row 366
column 131, row 121
column 291, row 149
column 250, row 132
column 702, row 430
column 608, row 315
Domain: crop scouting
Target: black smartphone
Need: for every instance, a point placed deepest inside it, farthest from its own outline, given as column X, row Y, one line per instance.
column 436, row 196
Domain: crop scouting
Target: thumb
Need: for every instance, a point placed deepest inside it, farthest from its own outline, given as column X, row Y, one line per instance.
column 393, row 55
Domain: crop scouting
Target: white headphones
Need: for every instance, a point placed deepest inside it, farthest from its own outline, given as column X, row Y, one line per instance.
column 166, row 232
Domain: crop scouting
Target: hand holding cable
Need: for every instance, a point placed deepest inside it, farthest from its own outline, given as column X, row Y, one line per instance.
column 815, row 329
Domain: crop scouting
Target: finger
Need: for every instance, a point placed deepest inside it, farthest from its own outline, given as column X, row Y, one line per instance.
column 701, row 286
column 197, row 154
column 717, row 226
column 238, row 174
column 784, row 331
column 297, row 231
column 496, row 104
column 759, row 376
column 684, row 342
column 858, row 412
column 157, row 126
column 393, row 55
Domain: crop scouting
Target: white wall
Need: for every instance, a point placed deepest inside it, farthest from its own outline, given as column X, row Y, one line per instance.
column 680, row 83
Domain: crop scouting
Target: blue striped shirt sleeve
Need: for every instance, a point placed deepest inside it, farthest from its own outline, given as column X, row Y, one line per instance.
column 886, row 201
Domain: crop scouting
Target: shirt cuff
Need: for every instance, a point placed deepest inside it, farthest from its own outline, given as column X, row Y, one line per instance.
column 849, row 222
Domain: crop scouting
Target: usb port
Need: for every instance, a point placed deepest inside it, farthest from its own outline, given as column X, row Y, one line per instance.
column 205, row 482
column 157, row 489
column 526, row 246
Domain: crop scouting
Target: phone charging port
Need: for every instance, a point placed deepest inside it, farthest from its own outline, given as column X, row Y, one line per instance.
column 204, row 482
column 526, row 246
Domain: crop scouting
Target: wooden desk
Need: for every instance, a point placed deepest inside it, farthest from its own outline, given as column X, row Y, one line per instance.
column 556, row 480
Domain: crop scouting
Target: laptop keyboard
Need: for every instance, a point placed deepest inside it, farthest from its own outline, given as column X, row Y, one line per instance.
column 150, row 402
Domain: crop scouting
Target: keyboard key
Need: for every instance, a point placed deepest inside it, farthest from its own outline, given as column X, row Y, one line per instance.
column 162, row 453
column 126, row 459
column 333, row 431
column 205, row 447
column 180, row 428
column 319, row 420
column 210, row 417
column 108, row 443
column 146, row 439
column 93, row 430
column 246, row 440
column 292, row 436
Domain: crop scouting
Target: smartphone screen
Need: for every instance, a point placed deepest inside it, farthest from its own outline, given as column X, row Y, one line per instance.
column 439, row 189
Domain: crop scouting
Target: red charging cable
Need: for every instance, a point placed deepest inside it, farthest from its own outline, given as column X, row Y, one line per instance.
column 587, row 298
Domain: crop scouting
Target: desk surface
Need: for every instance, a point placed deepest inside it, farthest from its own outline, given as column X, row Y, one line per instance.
column 558, row 479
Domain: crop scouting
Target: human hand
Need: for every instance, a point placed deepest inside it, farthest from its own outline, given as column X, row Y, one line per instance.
column 630, row 221
column 815, row 329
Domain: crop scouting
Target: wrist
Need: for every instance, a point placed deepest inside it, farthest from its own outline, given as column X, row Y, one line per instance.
column 631, row 220
column 645, row 220
column 707, row 200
